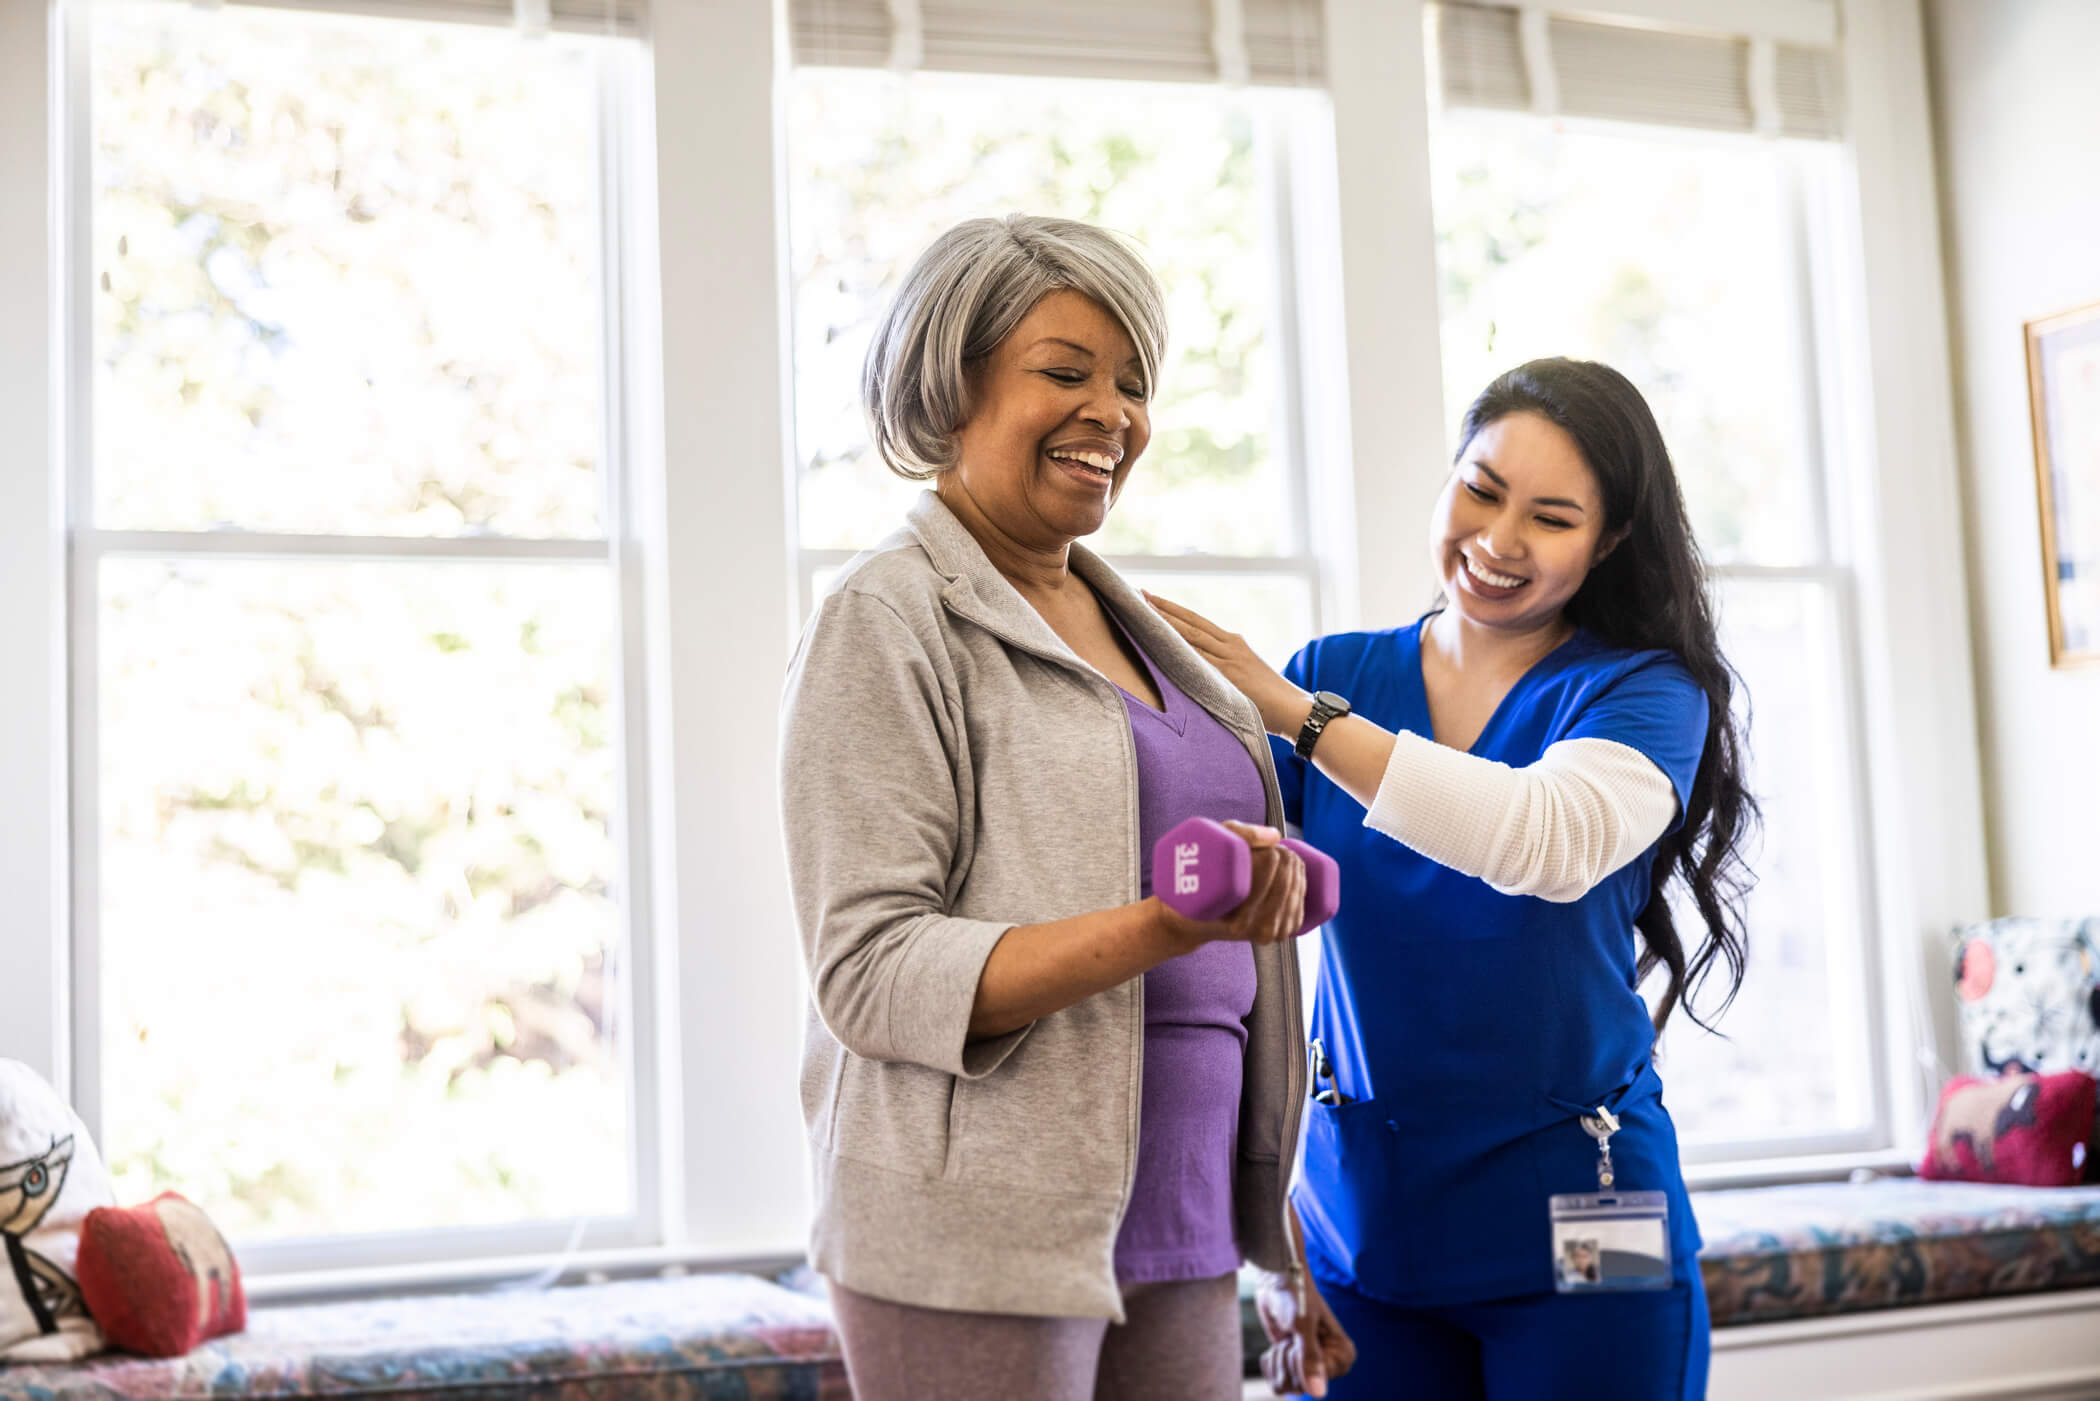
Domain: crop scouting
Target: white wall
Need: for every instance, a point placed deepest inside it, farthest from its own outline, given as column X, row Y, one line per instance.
column 2016, row 108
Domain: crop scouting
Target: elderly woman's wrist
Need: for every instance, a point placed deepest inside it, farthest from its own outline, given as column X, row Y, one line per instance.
column 1172, row 934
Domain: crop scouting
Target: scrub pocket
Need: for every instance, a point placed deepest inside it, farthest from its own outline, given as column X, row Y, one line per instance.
column 1347, row 1193
column 1403, row 1206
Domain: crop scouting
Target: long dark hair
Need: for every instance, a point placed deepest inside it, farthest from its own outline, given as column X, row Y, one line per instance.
column 1651, row 592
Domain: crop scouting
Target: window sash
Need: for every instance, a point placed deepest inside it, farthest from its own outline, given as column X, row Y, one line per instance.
column 638, row 1048
column 1829, row 567
column 1862, row 962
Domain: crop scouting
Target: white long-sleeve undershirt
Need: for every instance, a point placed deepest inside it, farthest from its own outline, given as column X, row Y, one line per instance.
column 1552, row 829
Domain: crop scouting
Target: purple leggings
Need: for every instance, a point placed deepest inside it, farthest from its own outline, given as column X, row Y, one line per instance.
column 1179, row 1339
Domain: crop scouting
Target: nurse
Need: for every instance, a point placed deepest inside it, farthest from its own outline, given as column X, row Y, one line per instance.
column 1522, row 789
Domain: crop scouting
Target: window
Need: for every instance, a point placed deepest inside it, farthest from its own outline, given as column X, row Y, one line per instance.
column 878, row 166
column 352, row 802
column 1697, row 264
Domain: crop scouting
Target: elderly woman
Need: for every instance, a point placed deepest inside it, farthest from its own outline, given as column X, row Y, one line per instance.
column 1040, row 1103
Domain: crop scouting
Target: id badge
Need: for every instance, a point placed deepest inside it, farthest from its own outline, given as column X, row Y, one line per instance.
column 1611, row 1240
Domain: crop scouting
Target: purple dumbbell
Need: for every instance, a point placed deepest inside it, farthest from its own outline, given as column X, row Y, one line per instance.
column 1204, row 872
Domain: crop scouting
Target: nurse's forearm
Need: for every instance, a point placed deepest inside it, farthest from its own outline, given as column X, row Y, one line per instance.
column 1551, row 829
column 1352, row 752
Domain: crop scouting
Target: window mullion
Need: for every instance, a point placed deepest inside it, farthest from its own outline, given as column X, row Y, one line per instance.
column 637, row 1045
column 1799, row 256
column 1872, row 949
column 1290, row 440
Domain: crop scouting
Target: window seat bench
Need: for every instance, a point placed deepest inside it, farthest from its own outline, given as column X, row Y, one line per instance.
column 1816, row 1249
column 1772, row 1254
column 700, row 1337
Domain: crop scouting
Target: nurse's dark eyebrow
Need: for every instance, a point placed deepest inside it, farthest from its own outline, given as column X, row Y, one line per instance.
column 1496, row 477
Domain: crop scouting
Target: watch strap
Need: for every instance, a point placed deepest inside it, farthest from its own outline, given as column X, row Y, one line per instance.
column 1324, row 711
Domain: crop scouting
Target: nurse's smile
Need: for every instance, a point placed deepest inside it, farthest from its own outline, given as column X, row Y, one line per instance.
column 1491, row 583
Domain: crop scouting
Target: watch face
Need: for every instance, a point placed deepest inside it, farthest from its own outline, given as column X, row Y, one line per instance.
column 1328, row 700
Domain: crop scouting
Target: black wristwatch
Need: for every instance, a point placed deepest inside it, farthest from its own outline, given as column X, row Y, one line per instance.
column 1327, row 706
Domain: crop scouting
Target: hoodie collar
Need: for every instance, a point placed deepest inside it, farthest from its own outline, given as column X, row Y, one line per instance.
column 978, row 591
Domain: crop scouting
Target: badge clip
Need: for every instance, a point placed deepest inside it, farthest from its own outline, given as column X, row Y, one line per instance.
column 1613, row 1240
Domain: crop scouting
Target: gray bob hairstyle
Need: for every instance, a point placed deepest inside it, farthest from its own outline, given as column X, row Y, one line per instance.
column 966, row 294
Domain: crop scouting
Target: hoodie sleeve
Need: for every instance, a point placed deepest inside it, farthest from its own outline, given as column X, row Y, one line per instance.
column 872, row 773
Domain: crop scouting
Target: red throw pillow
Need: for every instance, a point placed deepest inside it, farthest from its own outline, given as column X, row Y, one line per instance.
column 2027, row 1130
column 158, row 1277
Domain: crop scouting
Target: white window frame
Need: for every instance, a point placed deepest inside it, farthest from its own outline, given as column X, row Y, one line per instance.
column 637, row 1048
column 1902, row 609
column 1815, row 251
column 706, row 571
column 709, row 551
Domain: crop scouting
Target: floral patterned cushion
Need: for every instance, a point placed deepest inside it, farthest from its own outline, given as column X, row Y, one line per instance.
column 2029, row 995
column 1827, row 1248
column 692, row 1339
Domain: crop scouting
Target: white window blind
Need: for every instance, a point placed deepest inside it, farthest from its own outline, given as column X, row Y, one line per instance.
column 1501, row 57
column 620, row 17
column 1272, row 42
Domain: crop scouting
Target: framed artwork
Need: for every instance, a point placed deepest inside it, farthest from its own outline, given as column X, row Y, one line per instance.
column 2063, row 384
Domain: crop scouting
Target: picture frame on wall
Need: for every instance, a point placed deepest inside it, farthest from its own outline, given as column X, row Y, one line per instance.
column 2063, row 384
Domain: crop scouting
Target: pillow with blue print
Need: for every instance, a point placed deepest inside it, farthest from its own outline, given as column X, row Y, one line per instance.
column 2029, row 996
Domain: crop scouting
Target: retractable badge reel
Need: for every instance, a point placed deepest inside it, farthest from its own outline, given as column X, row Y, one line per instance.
column 1607, row 1239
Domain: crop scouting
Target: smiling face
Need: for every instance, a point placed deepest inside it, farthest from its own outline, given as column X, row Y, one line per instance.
column 1058, row 419
column 1519, row 525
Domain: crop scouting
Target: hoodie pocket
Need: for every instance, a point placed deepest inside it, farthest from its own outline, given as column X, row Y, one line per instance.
column 894, row 1115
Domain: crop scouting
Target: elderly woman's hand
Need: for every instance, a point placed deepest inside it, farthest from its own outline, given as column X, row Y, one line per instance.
column 1283, row 706
column 1275, row 903
column 1307, row 1347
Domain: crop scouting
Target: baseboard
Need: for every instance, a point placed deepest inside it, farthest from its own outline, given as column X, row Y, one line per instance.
column 2037, row 1347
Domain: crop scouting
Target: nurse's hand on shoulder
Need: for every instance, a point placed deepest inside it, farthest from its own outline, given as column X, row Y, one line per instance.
column 1275, row 903
column 1307, row 1347
column 1283, row 706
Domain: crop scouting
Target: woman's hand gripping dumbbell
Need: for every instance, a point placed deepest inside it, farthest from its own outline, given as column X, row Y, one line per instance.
column 1262, row 887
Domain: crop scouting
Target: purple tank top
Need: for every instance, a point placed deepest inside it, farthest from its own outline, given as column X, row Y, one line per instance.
column 1179, row 1221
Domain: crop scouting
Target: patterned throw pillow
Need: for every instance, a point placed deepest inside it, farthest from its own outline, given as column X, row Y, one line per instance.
column 2020, row 1129
column 50, row 1178
column 2029, row 993
column 159, row 1278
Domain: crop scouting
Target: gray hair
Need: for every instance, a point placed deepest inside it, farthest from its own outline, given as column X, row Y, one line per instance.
column 966, row 294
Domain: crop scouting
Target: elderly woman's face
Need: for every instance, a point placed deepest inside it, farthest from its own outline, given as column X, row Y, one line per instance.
column 1058, row 418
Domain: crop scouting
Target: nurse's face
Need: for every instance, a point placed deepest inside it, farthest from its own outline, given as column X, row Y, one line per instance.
column 1519, row 526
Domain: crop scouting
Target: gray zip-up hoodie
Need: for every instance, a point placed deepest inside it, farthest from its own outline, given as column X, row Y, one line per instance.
column 950, row 769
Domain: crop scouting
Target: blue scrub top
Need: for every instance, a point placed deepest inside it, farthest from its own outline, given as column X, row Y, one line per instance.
column 1469, row 1027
